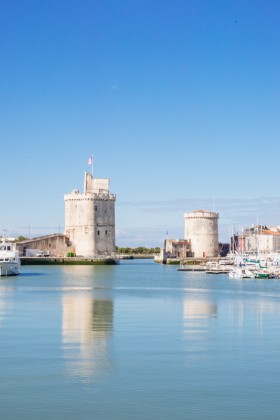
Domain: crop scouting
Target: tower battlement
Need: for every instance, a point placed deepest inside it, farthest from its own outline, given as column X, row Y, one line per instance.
column 94, row 196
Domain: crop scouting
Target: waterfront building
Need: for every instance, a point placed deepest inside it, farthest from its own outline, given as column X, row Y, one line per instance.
column 174, row 248
column 177, row 248
column 55, row 245
column 263, row 239
column 90, row 218
column 201, row 230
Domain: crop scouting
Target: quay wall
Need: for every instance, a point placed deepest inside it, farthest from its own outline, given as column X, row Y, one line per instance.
column 67, row 261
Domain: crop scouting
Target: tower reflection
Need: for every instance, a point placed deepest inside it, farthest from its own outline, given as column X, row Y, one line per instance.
column 199, row 309
column 198, row 315
column 86, row 331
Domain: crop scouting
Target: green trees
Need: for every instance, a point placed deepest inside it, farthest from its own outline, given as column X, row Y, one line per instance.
column 21, row 238
column 140, row 250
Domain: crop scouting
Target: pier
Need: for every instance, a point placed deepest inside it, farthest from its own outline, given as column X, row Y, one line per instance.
column 192, row 268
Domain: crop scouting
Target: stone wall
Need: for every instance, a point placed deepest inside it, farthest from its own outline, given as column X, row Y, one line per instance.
column 56, row 245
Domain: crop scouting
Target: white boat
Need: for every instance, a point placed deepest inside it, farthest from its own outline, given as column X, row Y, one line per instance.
column 9, row 259
column 213, row 267
column 241, row 273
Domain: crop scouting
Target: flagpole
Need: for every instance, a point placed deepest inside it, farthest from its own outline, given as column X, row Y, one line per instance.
column 90, row 162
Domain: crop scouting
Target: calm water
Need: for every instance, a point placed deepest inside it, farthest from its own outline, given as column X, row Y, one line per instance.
column 138, row 341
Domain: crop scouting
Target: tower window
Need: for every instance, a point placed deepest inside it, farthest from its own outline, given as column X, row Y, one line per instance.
column 105, row 232
column 95, row 208
column 98, row 232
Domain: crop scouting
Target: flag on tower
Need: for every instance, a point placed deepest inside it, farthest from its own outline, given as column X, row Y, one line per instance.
column 90, row 160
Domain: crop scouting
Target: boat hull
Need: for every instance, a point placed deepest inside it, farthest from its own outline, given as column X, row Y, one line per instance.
column 9, row 269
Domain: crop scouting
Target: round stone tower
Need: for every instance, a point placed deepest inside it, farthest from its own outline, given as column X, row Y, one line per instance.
column 90, row 218
column 201, row 229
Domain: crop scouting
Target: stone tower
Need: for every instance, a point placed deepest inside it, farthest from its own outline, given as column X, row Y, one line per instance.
column 201, row 230
column 90, row 218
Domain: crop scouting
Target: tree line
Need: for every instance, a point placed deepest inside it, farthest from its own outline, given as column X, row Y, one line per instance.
column 136, row 251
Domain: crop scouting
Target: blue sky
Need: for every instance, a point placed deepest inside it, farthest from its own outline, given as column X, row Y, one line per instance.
column 178, row 101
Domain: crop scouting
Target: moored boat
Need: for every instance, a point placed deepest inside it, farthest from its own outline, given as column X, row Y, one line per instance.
column 241, row 273
column 264, row 274
column 217, row 268
column 9, row 259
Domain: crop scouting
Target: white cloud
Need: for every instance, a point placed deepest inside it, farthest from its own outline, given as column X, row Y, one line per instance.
column 234, row 214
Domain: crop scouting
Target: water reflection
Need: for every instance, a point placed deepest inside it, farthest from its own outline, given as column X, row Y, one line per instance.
column 199, row 309
column 86, row 330
column 4, row 307
column 198, row 315
column 261, row 312
column 5, row 303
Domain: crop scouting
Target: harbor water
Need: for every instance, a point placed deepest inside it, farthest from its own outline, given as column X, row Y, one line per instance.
column 138, row 341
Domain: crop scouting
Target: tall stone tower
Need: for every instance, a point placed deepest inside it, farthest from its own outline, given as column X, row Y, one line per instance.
column 90, row 218
column 201, row 230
